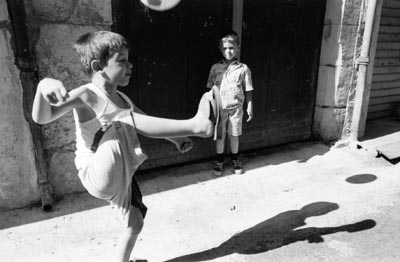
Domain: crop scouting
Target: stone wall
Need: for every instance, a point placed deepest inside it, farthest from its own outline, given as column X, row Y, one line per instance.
column 54, row 25
column 18, row 177
column 335, row 80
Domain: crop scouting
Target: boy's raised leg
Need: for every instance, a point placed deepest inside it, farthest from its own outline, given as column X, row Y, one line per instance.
column 199, row 125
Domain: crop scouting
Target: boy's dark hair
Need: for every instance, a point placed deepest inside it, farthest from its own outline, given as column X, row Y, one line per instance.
column 231, row 37
column 98, row 45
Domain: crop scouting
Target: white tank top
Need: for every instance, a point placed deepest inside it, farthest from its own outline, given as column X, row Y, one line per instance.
column 85, row 131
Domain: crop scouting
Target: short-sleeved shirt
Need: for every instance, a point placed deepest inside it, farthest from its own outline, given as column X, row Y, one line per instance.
column 232, row 80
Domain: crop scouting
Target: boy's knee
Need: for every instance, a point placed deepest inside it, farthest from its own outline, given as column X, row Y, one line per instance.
column 135, row 227
column 136, row 222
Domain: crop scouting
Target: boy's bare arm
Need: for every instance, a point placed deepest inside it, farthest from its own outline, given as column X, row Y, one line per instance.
column 249, row 99
column 52, row 100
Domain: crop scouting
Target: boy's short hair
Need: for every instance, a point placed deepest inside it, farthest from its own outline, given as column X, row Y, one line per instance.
column 98, row 45
column 230, row 37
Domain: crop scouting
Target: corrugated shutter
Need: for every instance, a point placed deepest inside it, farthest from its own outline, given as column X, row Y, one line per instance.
column 385, row 88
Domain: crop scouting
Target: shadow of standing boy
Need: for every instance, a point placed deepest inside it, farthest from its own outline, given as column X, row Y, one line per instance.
column 277, row 232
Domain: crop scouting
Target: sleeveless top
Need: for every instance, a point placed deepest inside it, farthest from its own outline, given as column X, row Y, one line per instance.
column 85, row 131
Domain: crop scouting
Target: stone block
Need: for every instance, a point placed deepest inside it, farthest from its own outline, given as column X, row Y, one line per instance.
column 3, row 11
column 328, row 123
column 92, row 12
column 63, row 174
column 333, row 86
column 351, row 12
column 342, row 12
column 53, row 10
column 331, row 49
column 56, row 56
column 337, row 46
column 333, row 12
column 60, row 133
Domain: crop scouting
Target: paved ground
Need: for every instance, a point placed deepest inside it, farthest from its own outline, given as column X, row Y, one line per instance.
column 300, row 202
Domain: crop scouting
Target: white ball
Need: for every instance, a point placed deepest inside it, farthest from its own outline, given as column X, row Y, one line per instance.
column 160, row 5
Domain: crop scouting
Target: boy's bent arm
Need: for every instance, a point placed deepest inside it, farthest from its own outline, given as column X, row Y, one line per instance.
column 52, row 100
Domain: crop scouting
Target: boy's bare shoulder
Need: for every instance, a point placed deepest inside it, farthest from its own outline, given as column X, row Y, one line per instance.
column 83, row 89
column 85, row 93
column 89, row 100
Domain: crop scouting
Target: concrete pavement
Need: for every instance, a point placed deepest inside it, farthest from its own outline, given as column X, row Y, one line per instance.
column 299, row 202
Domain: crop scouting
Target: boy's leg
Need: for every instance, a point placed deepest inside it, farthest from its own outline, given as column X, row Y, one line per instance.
column 109, row 176
column 122, row 145
column 199, row 125
column 129, row 235
column 219, row 160
column 234, row 131
column 117, row 156
column 220, row 144
column 234, row 146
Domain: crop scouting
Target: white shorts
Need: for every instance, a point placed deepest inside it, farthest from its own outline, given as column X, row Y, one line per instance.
column 231, row 121
column 109, row 174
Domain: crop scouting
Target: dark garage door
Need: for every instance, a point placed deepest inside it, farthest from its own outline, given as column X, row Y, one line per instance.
column 173, row 51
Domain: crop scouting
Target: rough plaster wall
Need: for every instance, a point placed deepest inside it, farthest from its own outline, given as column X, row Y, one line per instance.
column 336, row 69
column 54, row 26
column 18, row 185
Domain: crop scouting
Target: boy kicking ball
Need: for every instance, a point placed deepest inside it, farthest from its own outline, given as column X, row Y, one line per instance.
column 108, row 151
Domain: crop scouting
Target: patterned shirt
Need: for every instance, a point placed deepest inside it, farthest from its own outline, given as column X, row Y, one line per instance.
column 232, row 80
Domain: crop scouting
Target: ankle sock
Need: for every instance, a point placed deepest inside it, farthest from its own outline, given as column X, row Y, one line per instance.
column 235, row 156
column 220, row 157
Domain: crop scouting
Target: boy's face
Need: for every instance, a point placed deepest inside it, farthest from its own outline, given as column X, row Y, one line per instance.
column 118, row 68
column 229, row 50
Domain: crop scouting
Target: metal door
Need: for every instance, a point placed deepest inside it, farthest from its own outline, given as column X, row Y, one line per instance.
column 281, row 42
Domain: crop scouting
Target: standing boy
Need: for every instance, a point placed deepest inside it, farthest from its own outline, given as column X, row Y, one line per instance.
column 107, row 147
column 233, row 79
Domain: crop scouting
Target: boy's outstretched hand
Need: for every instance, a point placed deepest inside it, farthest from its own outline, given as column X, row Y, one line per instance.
column 183, row 144
column 53, row 91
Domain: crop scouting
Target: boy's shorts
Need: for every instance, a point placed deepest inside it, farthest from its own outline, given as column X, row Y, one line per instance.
column 109, row 173
column 137, row 198
column 231, row 121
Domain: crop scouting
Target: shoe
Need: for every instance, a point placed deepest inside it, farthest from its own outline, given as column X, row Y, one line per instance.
column 237, row 167
column 218, row 168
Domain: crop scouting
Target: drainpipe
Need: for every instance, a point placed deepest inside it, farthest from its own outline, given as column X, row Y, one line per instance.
column 362, row 65
column 26, row 63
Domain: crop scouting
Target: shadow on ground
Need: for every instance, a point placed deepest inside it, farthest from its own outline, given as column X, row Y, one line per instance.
column 277, row 232
column 69, row 204
column 162, row 179
column 361, row 178
column 155, row 181
column 376, row 128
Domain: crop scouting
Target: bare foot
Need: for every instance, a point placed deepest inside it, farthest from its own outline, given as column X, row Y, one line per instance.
column 183, row 144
